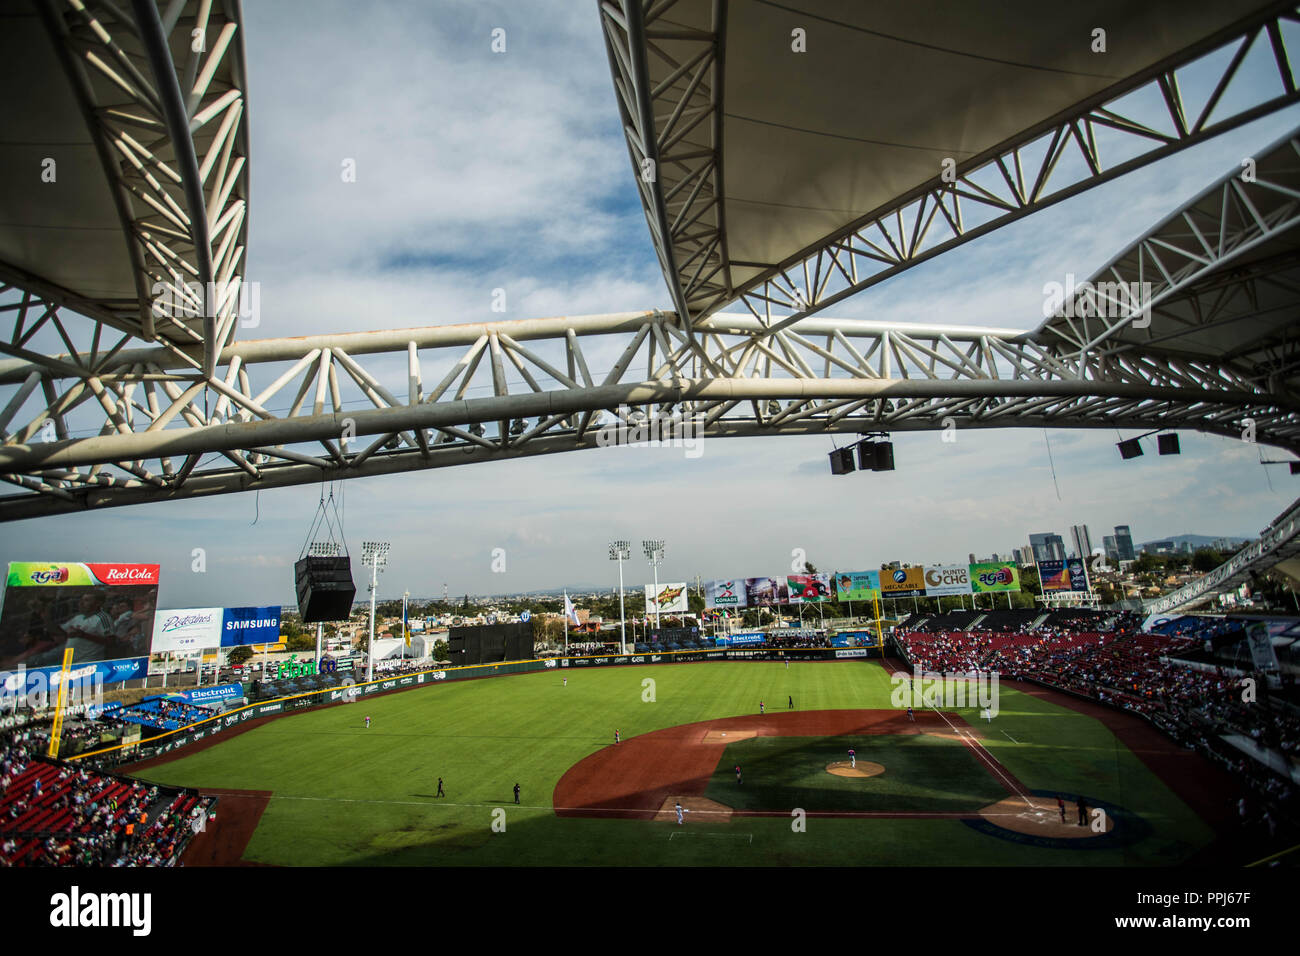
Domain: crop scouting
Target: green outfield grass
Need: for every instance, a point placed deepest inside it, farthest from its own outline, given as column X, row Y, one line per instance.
column 345, row 795
column 922, row 772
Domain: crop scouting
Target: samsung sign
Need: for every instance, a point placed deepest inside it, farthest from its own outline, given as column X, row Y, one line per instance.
column 250, row 625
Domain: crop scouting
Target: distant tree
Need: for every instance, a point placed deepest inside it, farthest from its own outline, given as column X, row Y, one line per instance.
column 1206, row 559
column 440, row 651
column 240, row 655
column 464, row 605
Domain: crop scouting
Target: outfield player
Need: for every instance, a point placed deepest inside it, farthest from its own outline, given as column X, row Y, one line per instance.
column 853, row 758
column 910, row 715
column 616, row 735
column 367, row 721
column 680, row 810
column 440, row 792
column 761, row 705
column 791, row 702
column 738, row 779
column 516, row 793
column 1060, row 805
column 566, row 682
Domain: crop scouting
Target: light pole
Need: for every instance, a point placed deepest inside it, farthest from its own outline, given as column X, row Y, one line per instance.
column 374, row 554
column 654, row 552
column 621, row 551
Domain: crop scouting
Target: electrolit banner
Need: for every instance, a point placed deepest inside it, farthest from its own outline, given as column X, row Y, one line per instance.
column 205, row 696
column 250, row 625
column 741, row 640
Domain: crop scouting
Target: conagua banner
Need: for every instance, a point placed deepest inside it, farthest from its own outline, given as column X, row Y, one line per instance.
column 905, row 582
column 857, row 585
column 724, row 594
column 186, row 629
column 947, row 579
column 102, row 612
column 986, row 576
column 250, row 625
column 808, row 588
column 671, row 598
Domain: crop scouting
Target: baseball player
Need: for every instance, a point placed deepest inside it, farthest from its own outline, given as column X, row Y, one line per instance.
column 761, row 705
column 516, row 793
column 910, row 715
column 853, row 758
column 440, row 792
column 616, row 735
column 367, row 722
column 791, row 707
column 1060, row 805
column 738, row 779
column 566, row 682
column 680, row 810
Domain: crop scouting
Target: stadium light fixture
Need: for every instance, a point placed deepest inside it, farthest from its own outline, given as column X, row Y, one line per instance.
column 621, row 551
column 654, row 552
column 375, row 554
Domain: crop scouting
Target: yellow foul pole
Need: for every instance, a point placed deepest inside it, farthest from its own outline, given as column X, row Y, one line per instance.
column 57, row 727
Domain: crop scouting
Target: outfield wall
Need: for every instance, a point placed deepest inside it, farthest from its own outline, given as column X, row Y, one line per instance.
column 172, row 740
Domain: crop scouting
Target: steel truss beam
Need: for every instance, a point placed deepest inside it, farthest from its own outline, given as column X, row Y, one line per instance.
column 162, row 95
column 1034, row 170
column 331, row 406
column 1279, row 541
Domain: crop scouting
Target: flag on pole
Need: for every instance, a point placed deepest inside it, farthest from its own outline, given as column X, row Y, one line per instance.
column 570, row 612
column 406, row 630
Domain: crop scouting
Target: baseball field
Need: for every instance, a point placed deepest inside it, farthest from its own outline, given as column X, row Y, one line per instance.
column 946, row 788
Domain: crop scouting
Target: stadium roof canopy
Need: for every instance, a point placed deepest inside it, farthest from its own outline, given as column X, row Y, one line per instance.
column 794, row 152
column 123, row 181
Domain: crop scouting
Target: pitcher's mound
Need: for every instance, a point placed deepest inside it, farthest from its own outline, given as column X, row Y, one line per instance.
column 865, row 768
column 1041, row 817
column 702, row 810
column 727, row 737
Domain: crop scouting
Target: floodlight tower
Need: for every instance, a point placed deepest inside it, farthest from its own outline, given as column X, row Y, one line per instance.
column 374, row 554
column 621, row 551
column 654, row 552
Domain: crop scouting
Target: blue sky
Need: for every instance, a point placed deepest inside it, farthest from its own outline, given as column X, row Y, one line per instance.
column 478, row 171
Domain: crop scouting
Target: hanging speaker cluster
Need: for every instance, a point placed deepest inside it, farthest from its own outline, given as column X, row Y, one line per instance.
column 325, row 588
column 871, row 456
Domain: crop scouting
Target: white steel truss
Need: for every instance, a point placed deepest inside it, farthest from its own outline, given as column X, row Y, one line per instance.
column 1279, row 541
column 161, row 88
column 130, row 425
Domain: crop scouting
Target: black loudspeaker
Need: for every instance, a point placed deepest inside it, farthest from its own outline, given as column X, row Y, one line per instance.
column 1167, row 444
column 325, row 588
column 883, row 455
column 866, row 456
column 842, row 461
column 1130, row 449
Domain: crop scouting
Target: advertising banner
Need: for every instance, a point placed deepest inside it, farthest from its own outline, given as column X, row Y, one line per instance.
column 852, row 652
column 208, row 696
column 250, row 625
column 905, row 582
column 1067, row 575
column 766, row 592
column 187, row 629
column 1261, row 647
column 671, row 599
column 27, row 682
column 947, row 579
column 853, row 639
column 724, row 594
column 746, row 639
column 857, row 585
column 808, row 588
column 987, row 576
column 103, row 612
